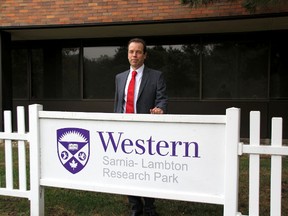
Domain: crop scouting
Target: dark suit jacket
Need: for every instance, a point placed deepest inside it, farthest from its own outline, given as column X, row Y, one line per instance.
column 152, row 91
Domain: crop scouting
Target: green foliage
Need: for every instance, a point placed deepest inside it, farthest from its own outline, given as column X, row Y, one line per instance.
column 195, row 3
column 250, row 5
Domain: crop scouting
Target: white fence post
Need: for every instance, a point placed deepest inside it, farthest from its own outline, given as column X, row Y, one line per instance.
column 21, row 150
column 37, row 192
column 232, row 140
column 8, row 150
column 276, row 168
column 254, row 164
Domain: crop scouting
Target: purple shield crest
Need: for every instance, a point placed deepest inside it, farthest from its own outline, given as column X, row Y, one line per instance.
column 73, row 147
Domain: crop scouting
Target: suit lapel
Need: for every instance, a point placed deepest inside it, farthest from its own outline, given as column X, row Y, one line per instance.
column 144, row 80
column 122, row 84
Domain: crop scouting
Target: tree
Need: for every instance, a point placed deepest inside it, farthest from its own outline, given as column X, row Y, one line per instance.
column 250, row 5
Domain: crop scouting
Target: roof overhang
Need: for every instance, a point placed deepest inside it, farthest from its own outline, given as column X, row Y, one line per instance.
column 186, row 27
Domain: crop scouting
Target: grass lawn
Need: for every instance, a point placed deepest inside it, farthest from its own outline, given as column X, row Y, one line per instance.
column 64, row 202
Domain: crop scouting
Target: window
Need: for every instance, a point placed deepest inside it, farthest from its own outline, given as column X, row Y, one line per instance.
column 279, row 69
column 101, row 64
column 180, row 63
column 19, row 73
column 209, row 69
column 235, row 70
column 55, row 73
column 181, row 66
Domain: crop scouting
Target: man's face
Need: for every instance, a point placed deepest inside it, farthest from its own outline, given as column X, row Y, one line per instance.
column 136, row 55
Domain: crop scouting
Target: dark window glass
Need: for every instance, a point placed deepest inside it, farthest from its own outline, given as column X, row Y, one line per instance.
column 55, row 73
column 20, row 73
column 279, row 70
column 253, row 70
column 37, row 74
column 222, row 69
column 181, row 65
column 101, row 64
column 235, row 70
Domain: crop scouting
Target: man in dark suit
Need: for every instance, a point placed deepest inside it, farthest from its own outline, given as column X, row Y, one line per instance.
column 150, row 97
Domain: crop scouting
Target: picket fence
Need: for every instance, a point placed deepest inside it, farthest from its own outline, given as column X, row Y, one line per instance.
column 36, row 193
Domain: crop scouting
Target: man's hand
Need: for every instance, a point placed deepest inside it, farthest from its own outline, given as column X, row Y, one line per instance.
column 156, row 110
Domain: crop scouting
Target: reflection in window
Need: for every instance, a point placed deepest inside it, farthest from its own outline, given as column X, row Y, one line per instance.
column 101, row 64
column 218, row 70
column 235, row 70
column 19, row 73
column 181, row 66
column 55, row 73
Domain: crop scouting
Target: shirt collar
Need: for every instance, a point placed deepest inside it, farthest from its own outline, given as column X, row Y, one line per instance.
column 139, row 70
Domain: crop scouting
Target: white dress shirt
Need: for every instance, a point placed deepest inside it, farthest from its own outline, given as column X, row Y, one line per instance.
column 138, row 79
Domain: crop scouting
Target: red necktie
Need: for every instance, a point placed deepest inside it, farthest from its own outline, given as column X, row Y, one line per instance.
column 130, row 94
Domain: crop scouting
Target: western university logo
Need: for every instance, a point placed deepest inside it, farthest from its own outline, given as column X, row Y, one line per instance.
column 73, row 147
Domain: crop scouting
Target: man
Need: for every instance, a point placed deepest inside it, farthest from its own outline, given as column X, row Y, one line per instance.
column 149, row 96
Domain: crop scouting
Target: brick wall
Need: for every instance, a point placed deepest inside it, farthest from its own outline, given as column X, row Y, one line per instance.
column 56, row 12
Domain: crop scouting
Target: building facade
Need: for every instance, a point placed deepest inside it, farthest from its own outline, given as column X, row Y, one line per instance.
column 65, row 54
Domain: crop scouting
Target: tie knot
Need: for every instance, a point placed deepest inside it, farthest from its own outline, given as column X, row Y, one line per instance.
column 134, row 73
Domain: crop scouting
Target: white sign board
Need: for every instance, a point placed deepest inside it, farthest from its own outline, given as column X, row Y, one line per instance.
column 180, row 157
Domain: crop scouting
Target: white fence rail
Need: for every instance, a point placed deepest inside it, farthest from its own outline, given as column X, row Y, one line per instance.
column 39, row 121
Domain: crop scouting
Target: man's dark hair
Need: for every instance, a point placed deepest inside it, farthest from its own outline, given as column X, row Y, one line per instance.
column 138, row 40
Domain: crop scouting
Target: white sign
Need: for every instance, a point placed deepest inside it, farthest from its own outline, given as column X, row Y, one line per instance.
column 166, row 156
